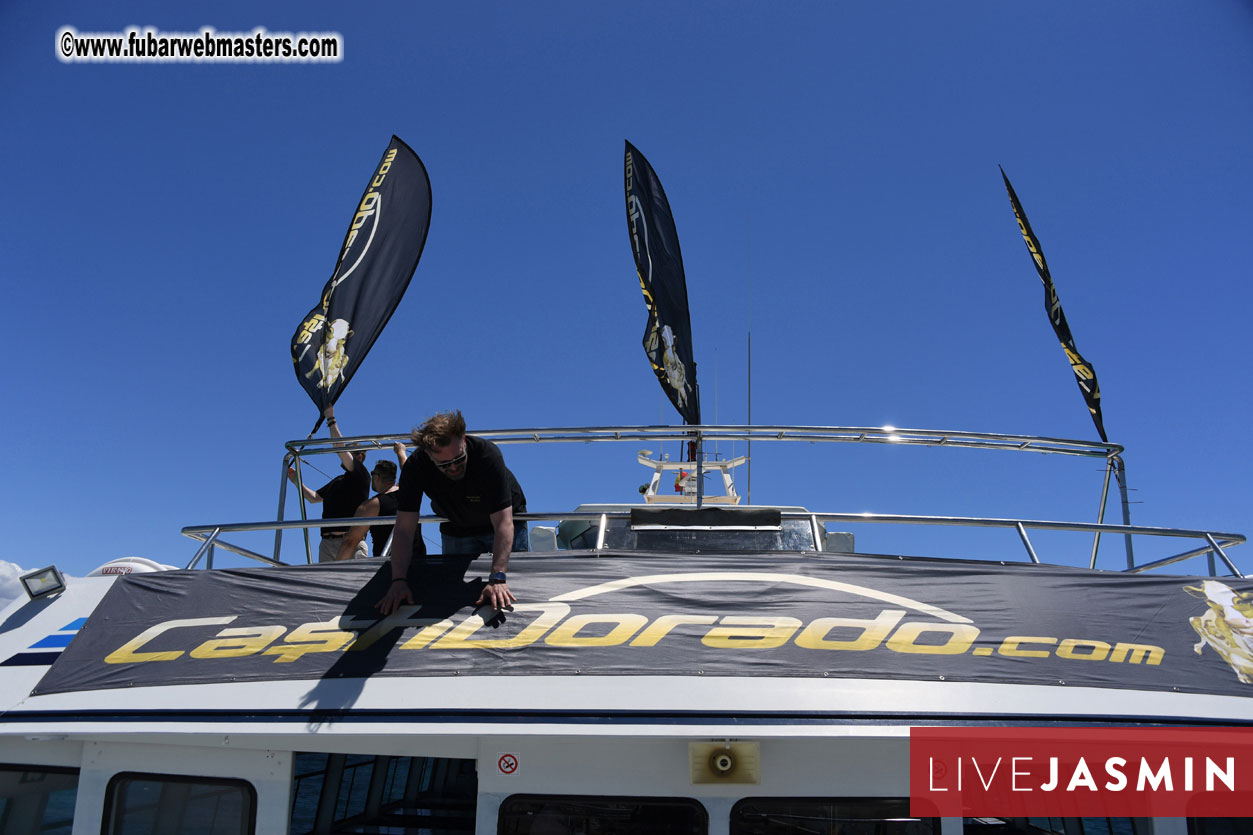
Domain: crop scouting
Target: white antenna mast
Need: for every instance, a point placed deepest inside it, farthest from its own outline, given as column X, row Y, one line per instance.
column 749, row 236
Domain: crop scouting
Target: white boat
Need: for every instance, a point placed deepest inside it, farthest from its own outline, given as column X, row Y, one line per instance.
column 688, row 664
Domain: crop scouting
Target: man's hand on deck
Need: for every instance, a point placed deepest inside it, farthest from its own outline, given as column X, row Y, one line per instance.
column 398, row 593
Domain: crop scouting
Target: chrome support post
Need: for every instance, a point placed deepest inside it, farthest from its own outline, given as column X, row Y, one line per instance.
column 282, row 502
column 1022, row 532
column 206, row 548
column 1217, row 549
column 304, row 517
column 1100, row 514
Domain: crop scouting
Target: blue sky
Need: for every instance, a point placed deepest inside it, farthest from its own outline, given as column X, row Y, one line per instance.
column 167, row 225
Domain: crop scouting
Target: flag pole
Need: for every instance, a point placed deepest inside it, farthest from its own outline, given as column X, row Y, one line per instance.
column 700, row 472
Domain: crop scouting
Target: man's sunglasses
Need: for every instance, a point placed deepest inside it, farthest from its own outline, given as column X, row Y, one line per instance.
column 452, row 462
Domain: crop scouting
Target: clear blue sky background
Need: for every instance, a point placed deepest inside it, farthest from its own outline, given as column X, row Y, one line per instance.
column 165, row 226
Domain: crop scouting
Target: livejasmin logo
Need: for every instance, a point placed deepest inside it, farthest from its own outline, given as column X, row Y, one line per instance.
column 1022, row 772
column 1100, row 772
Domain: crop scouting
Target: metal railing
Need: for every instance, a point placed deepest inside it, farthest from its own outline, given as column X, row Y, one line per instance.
column 1212, row 543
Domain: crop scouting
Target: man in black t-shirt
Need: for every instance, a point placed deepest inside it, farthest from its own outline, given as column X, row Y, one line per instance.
column 468, row 483
column 340, row 496
column 383, row 479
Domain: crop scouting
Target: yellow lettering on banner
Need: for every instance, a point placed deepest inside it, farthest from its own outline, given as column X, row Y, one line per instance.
column 425, row 635
column 311, row 637
column 872, row 631
column 663, row 625
column 1010, row 645
column 566, row 635
column 236, row 643
column 1138, row 653
column 961, row 636
column 751, row 633
column 371, row 630
column 1070, row 649
column 459, row 638
column 127, row 653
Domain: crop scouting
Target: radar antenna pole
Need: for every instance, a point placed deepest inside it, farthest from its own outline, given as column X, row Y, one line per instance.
column 749, row 236
column 1120, row 473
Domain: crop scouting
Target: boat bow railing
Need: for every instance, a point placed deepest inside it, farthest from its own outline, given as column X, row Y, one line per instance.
column 1215, row 543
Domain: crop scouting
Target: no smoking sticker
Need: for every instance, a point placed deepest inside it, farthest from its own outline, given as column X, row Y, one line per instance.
column 507, row 764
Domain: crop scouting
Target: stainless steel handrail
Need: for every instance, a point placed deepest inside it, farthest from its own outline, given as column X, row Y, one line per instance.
column 1215, row 541
column 297, row 449
column 807, row 434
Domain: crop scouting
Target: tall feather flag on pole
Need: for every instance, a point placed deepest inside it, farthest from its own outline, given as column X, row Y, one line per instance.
column 1085, row 374
column 659, row 264
column 376, row 261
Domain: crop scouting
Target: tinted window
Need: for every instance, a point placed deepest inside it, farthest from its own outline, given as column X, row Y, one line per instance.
column 365, row 793
column 1057, row 826
column 34, row 800
column 576, row 815
column 156, row 804
column 1220, row 826
column 805, row 815
column 795, row 535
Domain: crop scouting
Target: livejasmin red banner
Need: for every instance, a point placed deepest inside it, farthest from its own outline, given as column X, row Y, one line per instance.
column 1081, row 772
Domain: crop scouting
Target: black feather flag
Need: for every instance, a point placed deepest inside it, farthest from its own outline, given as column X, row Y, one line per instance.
column 376, row 262
column 659, row 264
column 1085, row 374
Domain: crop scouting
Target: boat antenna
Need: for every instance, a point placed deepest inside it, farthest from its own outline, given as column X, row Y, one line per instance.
column 749, row 237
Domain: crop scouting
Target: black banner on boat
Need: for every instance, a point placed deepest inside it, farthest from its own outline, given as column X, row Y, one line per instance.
column 659, row 264
column 1085, row 374
column 651, row 614
column 376, row 262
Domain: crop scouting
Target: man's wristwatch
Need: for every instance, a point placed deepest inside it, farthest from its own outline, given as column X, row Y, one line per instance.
column 496, row 578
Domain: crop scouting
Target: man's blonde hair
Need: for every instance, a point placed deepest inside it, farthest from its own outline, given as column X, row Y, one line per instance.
column 439, row 431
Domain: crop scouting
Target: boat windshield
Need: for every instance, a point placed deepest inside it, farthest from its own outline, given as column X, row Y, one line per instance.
column 790, row 535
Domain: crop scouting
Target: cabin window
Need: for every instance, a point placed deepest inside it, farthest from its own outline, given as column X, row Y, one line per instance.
column 35, row 800
column 1058, row 826
column 804, row 815
column 152, row 804
column 584, row 540
column 532, row 814
column 333, row 793
column 1220, row 826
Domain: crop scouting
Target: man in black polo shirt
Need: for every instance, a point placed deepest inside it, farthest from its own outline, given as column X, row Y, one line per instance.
column 468, row 483
column 340, row 496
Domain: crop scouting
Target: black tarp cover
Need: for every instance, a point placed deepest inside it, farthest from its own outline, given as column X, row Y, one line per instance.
column 652, row 614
